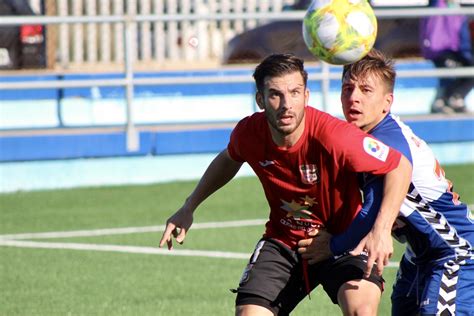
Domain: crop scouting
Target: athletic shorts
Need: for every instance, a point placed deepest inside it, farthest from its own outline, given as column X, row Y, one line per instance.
column 273, row 278
column 434, row 289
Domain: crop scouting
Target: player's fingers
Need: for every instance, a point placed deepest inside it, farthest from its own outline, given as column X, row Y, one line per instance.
column 313, row 232
column 370, row 264
column 174, row 232
column 305, row 242
column 181, row 236
column 380, row 266
column 167, row 235
column 357, row 250
column 302, row 250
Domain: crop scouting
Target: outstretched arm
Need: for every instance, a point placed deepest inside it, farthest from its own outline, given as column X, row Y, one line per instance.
column 378, row 243
column 363, row 222
column 221, row 170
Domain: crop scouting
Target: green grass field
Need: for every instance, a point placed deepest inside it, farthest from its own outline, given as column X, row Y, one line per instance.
column 120, row 272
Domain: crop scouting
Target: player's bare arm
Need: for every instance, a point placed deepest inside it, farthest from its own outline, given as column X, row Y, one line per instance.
column 378, row 242
column 221, row 170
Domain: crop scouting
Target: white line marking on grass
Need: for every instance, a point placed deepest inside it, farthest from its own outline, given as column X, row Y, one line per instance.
column 125, row 249
column 133, row 249
column 129, row 230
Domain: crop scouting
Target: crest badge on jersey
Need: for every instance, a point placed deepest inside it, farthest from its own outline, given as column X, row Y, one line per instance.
column 309, row 174
column 376, row 148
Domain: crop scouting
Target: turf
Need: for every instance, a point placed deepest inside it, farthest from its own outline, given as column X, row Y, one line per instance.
column 72, row 282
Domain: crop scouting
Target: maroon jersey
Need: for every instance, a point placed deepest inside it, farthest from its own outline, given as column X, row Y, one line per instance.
column 314, row 182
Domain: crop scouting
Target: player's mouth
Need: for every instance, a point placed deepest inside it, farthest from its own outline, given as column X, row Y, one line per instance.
column 354, row 114
column 285, row 119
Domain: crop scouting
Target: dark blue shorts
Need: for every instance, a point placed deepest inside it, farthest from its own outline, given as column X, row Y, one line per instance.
column 435, row 288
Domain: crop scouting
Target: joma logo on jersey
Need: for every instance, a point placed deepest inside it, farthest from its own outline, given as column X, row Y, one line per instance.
column 309, row 174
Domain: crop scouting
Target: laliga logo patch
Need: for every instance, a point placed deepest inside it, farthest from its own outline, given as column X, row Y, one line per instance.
column 376, row 148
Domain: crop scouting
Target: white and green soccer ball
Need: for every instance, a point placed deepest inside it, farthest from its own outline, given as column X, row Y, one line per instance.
column 339, row 31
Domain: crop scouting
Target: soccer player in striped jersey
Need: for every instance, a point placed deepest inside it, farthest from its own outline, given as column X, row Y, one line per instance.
column 436, row 274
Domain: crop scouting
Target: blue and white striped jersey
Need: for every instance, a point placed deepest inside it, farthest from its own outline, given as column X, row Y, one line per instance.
column 433, row 221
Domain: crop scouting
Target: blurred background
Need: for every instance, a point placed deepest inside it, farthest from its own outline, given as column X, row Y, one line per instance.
column 150, row 85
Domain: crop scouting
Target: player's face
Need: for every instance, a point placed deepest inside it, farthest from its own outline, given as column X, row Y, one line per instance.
column 284, row 99
column 365, row 101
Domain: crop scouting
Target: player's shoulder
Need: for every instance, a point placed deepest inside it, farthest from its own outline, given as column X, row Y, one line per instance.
column 322, row 122
column 254, row 120
column 392, row 129
column 250, row 126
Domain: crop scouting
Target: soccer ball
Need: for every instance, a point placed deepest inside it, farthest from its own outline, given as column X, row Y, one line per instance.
column 339, row 31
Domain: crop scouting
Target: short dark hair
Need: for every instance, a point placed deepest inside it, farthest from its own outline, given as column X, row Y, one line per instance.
column 276, row 65
column 375, row 62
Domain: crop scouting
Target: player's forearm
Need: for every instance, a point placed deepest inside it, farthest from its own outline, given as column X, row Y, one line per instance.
column 221, row 170
column 396, row 186
column 363, row 222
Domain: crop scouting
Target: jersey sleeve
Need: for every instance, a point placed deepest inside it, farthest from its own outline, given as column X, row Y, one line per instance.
column 357, row 151
column 233, row 147
column 363, row 222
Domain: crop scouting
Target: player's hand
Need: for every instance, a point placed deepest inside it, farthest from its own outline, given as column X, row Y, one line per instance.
column 379, row 249
column 177, row 226
column 316, row 248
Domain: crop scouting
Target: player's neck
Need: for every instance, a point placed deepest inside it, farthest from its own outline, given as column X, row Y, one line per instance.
column 285, row 141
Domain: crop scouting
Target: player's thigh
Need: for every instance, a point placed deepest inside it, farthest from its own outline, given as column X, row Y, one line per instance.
column 449, row 287
column 407, row 290
column 252, row 310
column 359, row 297
column 465, row 291
column 272, row 279
column 346, row 269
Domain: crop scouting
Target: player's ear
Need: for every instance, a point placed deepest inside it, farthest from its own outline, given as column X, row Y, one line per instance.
column 259, row 100
column 388, row 102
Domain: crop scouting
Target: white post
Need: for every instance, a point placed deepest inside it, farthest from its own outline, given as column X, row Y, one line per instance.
column 325, row 82
column 78, row 34
column 214, row 32
column 91, row 9
column 251, row 8
column 172, row 34
column 105, row 40
column 238, row 8
column 225, row 25
column 131, row 10
column 145, row 40
column 118, row 33
column 63, row 34
column 277, row 5
column 188, row 43
column 133, row 137
column 159, row 36
column 264, row 6
column 202, row 33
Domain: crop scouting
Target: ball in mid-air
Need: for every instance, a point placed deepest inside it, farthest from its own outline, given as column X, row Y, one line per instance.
column 339, row 31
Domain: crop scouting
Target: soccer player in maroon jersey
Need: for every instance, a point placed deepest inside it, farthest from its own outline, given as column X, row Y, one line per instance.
column 307, row 162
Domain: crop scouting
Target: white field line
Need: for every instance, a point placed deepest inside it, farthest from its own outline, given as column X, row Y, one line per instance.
column 125, row 249
column 132, row 249
column 128, row 230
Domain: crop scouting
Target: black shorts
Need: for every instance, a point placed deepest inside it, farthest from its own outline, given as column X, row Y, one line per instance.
column 274, row 279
